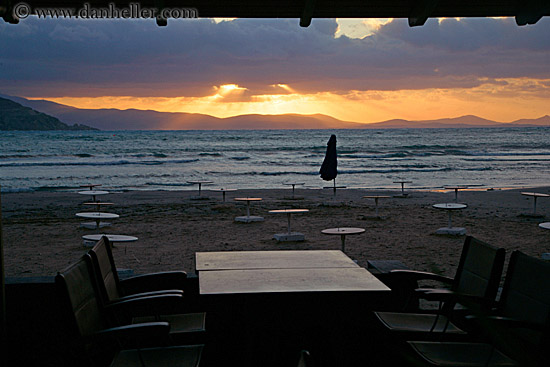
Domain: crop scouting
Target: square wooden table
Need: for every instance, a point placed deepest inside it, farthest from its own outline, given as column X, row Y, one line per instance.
column 246, row 260
column 260, row 272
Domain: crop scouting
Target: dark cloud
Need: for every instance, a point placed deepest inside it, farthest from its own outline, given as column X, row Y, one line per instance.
column 63, row 57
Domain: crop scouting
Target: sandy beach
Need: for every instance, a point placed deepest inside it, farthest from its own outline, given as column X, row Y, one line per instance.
column 42, row 234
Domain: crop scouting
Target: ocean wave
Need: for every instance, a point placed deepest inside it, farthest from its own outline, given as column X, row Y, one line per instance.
column 239, row 158
column 211, row 154
column 122, row 162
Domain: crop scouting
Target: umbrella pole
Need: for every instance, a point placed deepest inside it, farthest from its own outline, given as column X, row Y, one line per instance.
column 334, row 189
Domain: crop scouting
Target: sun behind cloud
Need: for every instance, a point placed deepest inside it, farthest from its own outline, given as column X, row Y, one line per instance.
column 501, row 100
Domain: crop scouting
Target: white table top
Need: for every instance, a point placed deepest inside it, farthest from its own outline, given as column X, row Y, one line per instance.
column 289, row 211
column 450, row 206
column 218, row 282
column 247, row 199
column 223, row 190
column 90, row 185
column 199, row 182
column 457, row 187
column 93, row 192
column 343, row 230
column 294, row 183
column 284, row 259
column 98, row 203
column 536, row 194
column 97, row 215
column 402, row 181
column 545, row 225
column 111, row 237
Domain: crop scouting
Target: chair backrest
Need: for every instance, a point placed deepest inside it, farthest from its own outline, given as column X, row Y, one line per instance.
column 77, row 291
column 105, row 271
column 480, row 269
column 526, row 297
column 526, row 290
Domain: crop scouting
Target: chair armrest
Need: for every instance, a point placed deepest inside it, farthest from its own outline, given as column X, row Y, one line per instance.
column 147, row 306
column 144, row 330
column 447, row 295
column 414, row 275
column 149, row 294
column 154, row 282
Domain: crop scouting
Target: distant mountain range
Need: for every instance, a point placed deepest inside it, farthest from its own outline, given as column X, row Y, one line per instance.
column 14, row 116
column 133, row 119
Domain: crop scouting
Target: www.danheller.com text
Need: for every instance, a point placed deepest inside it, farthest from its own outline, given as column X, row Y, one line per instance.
column 133, row 11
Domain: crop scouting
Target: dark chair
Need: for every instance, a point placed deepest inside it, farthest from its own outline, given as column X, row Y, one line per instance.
column 519, row 327
column 93, row 343
column 476, row 281
column 102, row 256
column 185, row 327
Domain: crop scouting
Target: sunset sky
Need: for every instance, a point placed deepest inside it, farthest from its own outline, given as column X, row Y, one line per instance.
column 355, row 70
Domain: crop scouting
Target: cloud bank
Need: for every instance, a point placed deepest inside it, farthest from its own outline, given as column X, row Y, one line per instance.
column 193, row 57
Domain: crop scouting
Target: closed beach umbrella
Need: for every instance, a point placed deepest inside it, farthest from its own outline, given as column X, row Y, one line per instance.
column 329, row 169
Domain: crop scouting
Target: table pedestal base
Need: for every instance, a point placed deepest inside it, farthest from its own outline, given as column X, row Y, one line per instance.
column 288, row 237
column 455, row 231
column 293, row 198
column 94, row 225
column 249, row 219
column 531, row 215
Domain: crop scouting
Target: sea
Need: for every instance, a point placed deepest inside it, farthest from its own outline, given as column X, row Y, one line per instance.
column 248, row 159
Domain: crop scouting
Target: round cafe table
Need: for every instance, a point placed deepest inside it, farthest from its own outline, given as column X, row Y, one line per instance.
column 248, row 218
column 289, row 236
column 535, row 195
column 294, row 184
column 90, row 186
column 223, row 191
column 97, row 216
column 113, row 238
column 376, row 197
column 456, row 188
column 403, row 195
column 93, row 193
column 200, row 183
column 343, row 232
column 450, row 207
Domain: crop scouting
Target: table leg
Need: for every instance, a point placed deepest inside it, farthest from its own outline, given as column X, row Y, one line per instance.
column 223, row 194
column 248, row 209
column 199, row 189
column 402, row 188
column 456, row 195
column 292, row 195
column 343, row 237
column 450, row 221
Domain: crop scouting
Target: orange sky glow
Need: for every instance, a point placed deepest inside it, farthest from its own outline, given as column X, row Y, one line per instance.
column 505, row 102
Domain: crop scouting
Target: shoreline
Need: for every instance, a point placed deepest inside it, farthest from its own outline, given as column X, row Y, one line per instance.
column 42, row 235
column 191, row 188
